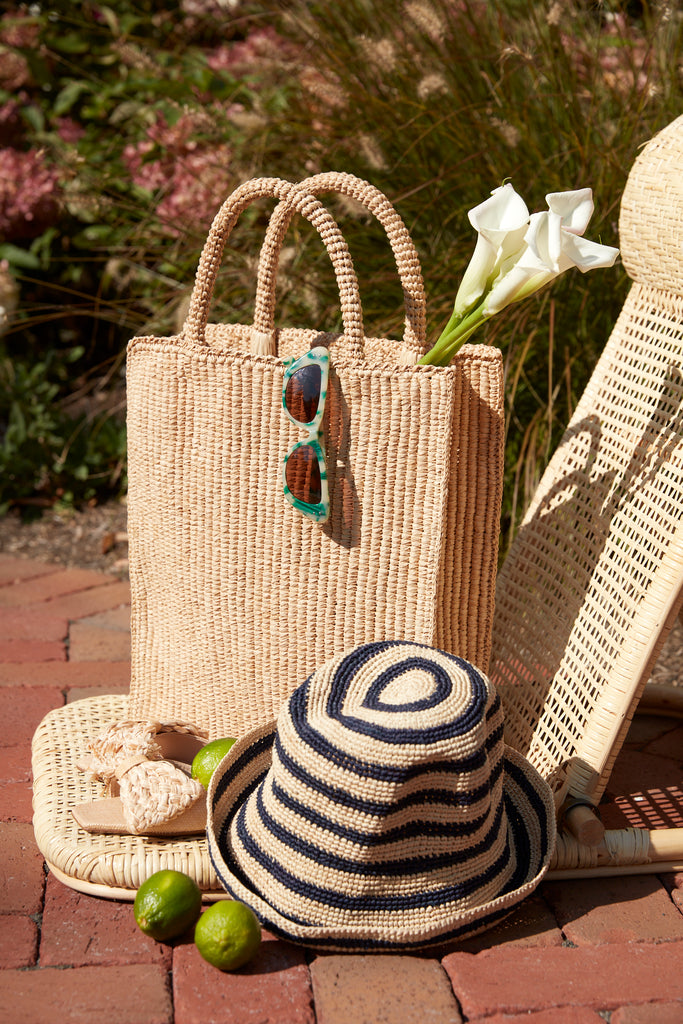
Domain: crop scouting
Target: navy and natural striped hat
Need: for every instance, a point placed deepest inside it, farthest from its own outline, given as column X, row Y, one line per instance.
column 384, row 811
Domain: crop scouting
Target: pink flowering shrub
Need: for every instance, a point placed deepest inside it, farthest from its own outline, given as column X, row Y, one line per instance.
column 624, row 57
column 261, row 46
column 15, row 31
column 200, row 181
column 68, row 130
column 214, row 9
column 189, row 179
column 124, row 126
column 14, row 71
column 29, row 194
column 18, row 28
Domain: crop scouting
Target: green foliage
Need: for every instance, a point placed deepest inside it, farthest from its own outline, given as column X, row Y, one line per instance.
column 138, row 121
column 49, row 455
column 116, row 141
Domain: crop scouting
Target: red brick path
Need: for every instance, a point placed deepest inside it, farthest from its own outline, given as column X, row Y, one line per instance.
column 577, row 952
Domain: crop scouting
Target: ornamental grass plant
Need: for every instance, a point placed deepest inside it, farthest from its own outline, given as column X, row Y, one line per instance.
column 137, row 122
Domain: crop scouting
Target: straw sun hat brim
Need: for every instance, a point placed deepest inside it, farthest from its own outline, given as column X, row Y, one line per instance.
column 531, row 834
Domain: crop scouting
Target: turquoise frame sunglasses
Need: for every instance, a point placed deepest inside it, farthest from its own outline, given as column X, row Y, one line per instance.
column 304, row 470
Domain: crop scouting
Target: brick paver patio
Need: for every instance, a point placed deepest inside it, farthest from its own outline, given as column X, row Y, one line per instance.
column 577, row 952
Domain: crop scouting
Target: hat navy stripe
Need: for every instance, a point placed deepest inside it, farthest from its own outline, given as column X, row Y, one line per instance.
column 247, row 790
column 342, row 942
column 390, row 773
column 525, row 871
column 419, row 827
column 448, row 935
column 516, row 823
column 352, row 943
column 253, row 751
column 402, row 866
column 415, row 828
column 372, row 901
column 222, row 864
column 443, row 689
column 344, row 676
column 534, row 799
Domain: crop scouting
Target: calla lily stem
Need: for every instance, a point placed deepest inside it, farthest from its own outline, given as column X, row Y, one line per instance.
column 454, row 335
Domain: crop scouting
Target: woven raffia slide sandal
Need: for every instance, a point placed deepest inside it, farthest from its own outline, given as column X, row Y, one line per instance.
column 145, row 768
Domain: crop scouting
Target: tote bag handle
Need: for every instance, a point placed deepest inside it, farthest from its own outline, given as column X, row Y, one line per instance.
column 194, row 330
column 405, row 255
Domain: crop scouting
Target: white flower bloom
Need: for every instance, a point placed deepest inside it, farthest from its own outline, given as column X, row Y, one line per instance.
column 567, row 211
column 515, row 255
column 500, row 222
column 552, row 244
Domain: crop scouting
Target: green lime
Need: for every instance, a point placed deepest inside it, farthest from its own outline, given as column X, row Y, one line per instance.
column 208, row 758
column 167, row 904
column 228, row 934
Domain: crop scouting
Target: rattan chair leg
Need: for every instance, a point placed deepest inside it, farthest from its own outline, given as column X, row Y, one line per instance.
column 582, row 822
column 625, row 851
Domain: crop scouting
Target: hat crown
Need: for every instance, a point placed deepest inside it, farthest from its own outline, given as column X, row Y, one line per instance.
column 392, row 736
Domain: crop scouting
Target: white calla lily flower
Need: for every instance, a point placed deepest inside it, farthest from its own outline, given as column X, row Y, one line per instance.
column 551, row 247
column 500, row 222
column 568, row 213
column 515, row 255
column 574, row 208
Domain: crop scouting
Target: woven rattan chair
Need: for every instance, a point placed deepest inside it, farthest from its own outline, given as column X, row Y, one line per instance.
column 593, row 581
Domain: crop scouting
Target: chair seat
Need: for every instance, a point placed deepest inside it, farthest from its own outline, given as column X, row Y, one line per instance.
column 105, row 865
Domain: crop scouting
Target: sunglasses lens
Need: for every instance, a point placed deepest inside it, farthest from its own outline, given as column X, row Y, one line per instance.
column 302, row 394
column 302, row 473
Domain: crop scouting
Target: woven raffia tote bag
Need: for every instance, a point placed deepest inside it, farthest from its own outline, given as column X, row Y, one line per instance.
column 593, row 581
column 236, row 596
